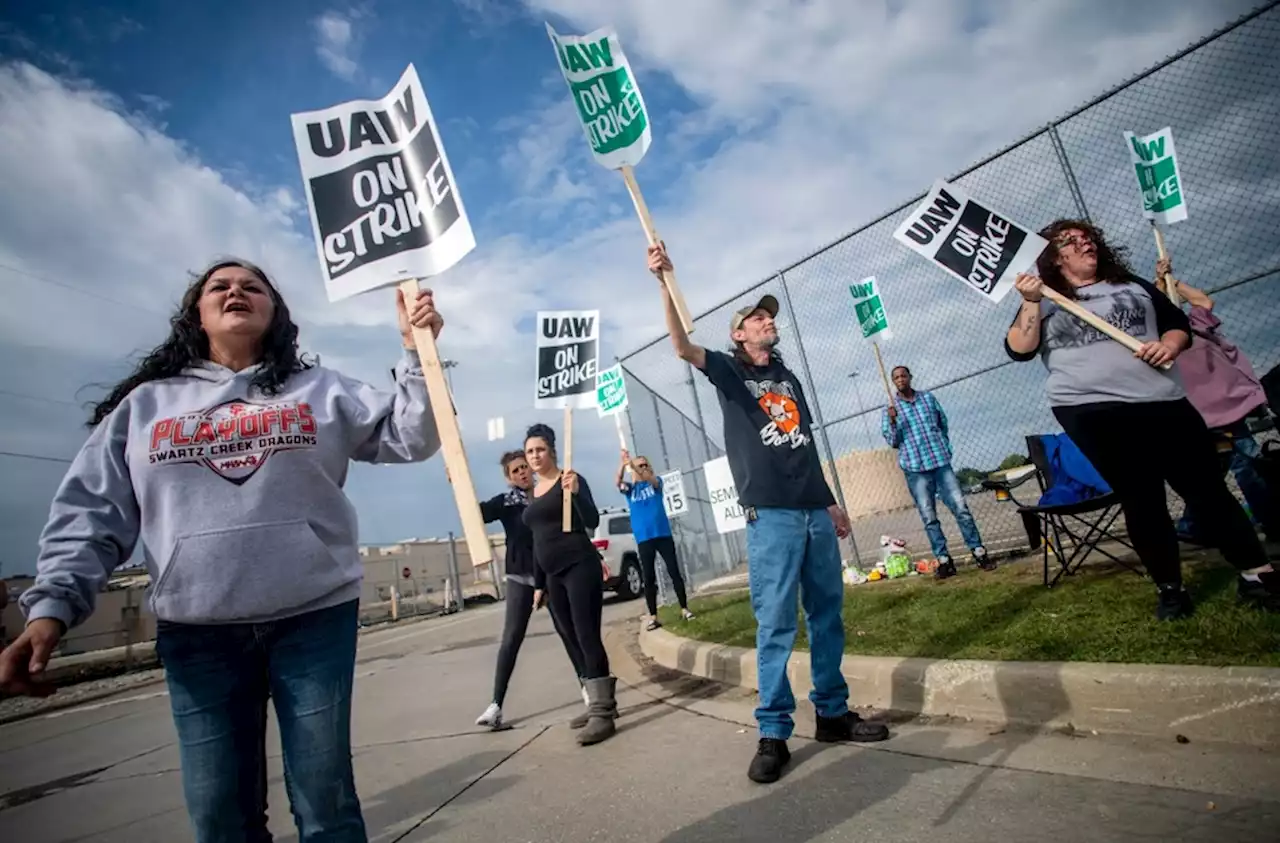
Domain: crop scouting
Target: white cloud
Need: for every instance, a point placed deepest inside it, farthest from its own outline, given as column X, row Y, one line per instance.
column 337, row 42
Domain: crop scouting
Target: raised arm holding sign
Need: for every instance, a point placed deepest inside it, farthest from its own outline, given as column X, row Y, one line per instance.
column 615, row 121
column 385, row 211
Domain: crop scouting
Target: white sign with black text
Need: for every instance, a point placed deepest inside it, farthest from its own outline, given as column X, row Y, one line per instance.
column 384, row 204
column 673, row 499
column 972, row 241
column 568, row 359
column 723, row 493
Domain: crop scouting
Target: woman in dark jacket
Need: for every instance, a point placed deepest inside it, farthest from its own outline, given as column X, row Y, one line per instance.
column 1129, row 417
column 525, row 586
column 573, row 575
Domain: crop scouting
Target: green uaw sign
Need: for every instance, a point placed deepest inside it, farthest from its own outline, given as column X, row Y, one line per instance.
column 1156, row 166
column 604, row 91
column 869, row 308
column 611, row 391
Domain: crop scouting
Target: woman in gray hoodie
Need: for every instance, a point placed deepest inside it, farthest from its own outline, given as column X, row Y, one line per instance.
column 225, row 454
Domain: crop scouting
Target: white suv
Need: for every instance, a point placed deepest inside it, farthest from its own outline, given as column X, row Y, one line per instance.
column 617, row 545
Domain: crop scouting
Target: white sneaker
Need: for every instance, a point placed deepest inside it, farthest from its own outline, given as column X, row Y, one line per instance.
column 492, row 717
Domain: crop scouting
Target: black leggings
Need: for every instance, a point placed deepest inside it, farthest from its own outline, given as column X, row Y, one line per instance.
column 1137, row 448
column 519, row 610
column 576, row 601
column 649, row 548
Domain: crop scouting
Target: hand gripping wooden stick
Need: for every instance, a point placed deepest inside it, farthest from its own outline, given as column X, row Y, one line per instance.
column 668, row 277
column 455, row 456
column 1097, row 322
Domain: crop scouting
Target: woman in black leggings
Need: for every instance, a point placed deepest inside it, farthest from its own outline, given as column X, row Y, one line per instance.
column 1129, row 417
column 525, row 584
column 573, row 574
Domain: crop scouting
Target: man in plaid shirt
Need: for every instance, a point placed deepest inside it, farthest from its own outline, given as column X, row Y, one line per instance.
column 916, row 425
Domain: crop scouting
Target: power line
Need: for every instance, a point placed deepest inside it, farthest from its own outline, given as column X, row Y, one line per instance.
column 34, row 457
column 82, row 291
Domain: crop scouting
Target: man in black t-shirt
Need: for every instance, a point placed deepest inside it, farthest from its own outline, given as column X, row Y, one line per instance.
column 792, row 525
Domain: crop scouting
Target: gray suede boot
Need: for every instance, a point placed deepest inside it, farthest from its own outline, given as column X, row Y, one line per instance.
column 581, row 720
column 601, row 711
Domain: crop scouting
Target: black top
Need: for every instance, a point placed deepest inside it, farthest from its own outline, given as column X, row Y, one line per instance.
column 554, row 549
column 768, row 435
column 519, row 560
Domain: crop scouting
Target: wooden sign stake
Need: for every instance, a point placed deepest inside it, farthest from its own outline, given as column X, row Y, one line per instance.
column 455, row 456
column 567, row 522
column 1170, row 285
column 669, row 277
column 884, row 376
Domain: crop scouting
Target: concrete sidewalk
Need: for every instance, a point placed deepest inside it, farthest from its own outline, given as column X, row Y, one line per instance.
column 1225, row 704
column 108, row 771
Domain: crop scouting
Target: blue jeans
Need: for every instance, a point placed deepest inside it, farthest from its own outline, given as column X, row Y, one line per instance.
column 926, row 487
column 219, row 679
column 790, row 550
column 1244, row 452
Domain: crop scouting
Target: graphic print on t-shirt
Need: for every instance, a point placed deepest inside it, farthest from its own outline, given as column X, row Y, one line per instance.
column 1127, row 312
column 778, row 401
column 233, row 439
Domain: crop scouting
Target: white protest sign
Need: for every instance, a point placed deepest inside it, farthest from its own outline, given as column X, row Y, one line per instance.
column 673, row 499
column 568, row 359
column 611, row 391
column 605, row 93
column 983, row 248
column 384, row 204
column 869, row 308
column 723, row 494
column 1159, row 179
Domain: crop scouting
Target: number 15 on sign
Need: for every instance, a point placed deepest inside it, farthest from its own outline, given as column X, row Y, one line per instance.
column 673, row 499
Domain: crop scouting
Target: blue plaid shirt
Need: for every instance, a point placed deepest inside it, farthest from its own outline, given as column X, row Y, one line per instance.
column 920, row 434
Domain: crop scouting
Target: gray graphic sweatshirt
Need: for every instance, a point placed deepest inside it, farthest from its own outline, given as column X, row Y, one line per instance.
column 236, row 496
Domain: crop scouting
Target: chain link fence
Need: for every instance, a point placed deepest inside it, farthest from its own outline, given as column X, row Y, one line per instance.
column 1222, row 98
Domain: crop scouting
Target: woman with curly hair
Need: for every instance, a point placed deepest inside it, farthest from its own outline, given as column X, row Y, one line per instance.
column 571, row 565
column 225, row 454
column 1129, row 417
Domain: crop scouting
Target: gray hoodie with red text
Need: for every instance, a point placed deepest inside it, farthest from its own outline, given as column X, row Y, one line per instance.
column 235, row 495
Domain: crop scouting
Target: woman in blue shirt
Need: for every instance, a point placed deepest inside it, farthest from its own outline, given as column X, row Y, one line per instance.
column 652, row 530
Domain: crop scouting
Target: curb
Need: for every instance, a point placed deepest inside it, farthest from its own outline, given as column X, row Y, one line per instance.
column 1239, row 705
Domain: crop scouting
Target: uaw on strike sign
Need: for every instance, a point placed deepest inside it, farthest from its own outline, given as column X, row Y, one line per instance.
column 568, row 359
column 384, row 204
column 970, row 240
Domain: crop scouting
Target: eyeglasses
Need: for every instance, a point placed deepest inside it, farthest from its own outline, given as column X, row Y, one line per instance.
column 643, row 466
column 1079, row 241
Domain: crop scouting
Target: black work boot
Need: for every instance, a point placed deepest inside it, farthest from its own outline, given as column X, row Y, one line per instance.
column 601, row 711
column 1174, row 604
column 771, row 757
column 850, row 727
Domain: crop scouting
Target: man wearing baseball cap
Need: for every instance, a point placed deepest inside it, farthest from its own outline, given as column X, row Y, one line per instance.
column 792, row 525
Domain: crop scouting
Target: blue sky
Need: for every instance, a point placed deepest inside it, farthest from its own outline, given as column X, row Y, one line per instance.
column 140, row 141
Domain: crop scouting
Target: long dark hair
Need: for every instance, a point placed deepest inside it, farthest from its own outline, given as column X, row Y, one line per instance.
column 188, row 344
column 1113, row 266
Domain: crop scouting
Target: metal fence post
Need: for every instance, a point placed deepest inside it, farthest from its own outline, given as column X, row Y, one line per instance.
column 1073, row 186
column 817, row 407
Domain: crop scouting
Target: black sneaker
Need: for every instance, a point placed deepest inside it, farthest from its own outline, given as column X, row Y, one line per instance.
column 946, row 570
column 850, row 727
column 1262, row 593
column 984, row 560
column 771, row 756
column 1174, row 604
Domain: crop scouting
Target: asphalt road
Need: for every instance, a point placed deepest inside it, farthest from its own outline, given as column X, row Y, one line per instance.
column 108, row 770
